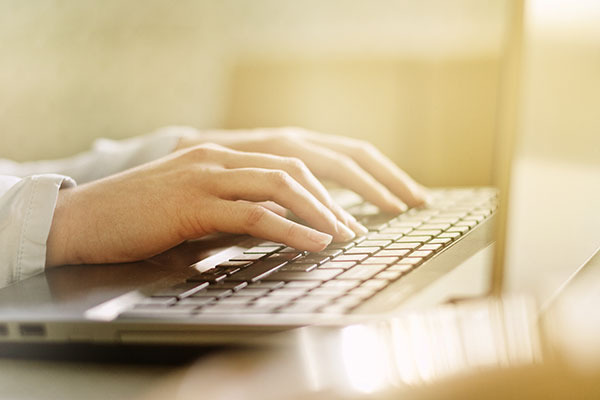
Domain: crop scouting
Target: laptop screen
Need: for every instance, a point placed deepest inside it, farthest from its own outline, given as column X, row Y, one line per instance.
column 555, row 186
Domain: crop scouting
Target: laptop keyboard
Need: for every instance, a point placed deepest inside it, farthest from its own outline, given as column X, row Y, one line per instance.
column 273, row 278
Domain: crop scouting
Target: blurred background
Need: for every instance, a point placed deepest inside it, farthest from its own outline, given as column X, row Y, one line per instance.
column 418, row 78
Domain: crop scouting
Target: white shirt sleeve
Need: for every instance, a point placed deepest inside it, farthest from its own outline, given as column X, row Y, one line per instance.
column 28, row 194
column 106, row 157
column 26, row 210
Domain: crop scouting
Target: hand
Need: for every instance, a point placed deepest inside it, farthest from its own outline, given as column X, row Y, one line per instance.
column 353, row 163
column 188, row 194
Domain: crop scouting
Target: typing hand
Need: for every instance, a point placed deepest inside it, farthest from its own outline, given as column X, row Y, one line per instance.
column 353, row 163
column 191, row 193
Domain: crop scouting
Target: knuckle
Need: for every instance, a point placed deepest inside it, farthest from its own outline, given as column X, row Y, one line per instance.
column 280, row 178
column 201, row 151
column 297, row 165
column 361, row 148
column 254, row 215
column 346, row 162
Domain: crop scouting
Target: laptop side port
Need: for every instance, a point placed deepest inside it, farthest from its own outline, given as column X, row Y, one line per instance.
column 3, row 330
column 32, row 330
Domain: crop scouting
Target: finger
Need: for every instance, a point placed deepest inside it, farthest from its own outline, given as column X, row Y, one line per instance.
column 378, row 165
column 295, row 168
column 269, row 205
column 302, row 174
column 255, row 220
column 332, row 165
column 257, row 184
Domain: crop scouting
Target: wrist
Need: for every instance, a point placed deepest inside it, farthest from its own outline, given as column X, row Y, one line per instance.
column 58, row 243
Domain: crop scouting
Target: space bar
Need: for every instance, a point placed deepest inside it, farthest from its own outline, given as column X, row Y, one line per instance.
column 257, row 271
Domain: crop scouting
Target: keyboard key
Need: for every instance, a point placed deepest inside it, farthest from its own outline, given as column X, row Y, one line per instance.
column 181, row 290
column 236, row 300
column 350, row 257
column 405, row 224
column 292, row 293
column 399, row 246
column 384, row 236
column 444, row 221
column 251, row 293
column 363, row 250
column 299, row 267
column 439, row 240
column 247, row 257
column 235, row 286
column 414, row 261
column 212, row 275
column 195, row 301
column 460, row 229
column 414, row 239
column 393, row 253
column 234, row 264
column 315, row 258
column 331, row 292
column 346, row 284
column 423, row 232
column 468, row 223
column 397, row 229
column 389, row 275
column 343, row 246
column 303, row 284
column 438, row 226
column 374, row 243
column 477, row 218
column 451, row 235
column 338, row 265
column 284, row 256
column 158, row 301
column 363, row 292
column 292, row 250
column 380, row 260
column 403, row 268
column 316, row 275
column 422, row 253
column 272, row 301
column 266, row 285
column 362, row 272
column 213, row 293
column 375, row 284
column 257, row 271
column 432, row 247
column 330, row 252
column 262, row 250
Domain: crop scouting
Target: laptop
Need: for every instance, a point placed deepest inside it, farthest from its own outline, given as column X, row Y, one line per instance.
column 243, row 292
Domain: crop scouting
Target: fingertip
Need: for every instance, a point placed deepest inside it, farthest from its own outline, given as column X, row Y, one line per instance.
column 318, row 240
column 359, row 228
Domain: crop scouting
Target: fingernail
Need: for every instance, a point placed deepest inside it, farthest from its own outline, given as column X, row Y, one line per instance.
column 322, row 239
column 343, row 231
column 359, row 228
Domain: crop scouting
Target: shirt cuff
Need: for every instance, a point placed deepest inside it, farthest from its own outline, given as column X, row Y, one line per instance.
column 38, row 212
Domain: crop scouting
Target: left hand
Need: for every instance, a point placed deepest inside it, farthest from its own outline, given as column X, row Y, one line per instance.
column 355, row 164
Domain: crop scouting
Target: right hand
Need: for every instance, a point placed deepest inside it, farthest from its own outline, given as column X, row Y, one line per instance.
column 188, row 194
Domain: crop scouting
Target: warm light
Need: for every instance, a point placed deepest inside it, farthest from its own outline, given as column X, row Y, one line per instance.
column 364, row 358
